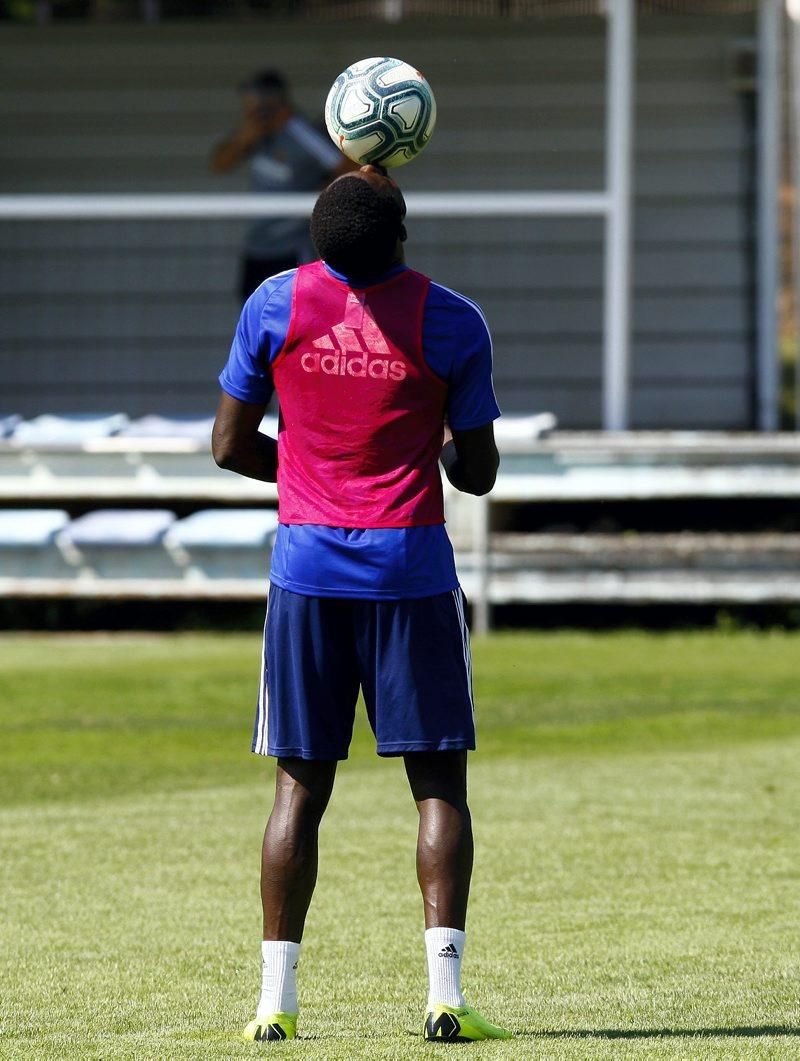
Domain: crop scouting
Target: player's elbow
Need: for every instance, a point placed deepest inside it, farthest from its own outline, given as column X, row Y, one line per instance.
column 474, row 476
column 480, row 478
column 224, row 450
column 481, row 485
column 482, row 489
column 225, row 459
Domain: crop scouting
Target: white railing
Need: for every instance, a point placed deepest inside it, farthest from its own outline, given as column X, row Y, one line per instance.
column 199, row 207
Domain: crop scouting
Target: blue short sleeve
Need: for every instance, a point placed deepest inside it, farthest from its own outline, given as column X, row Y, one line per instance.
column 457, row 346
column 259, row 338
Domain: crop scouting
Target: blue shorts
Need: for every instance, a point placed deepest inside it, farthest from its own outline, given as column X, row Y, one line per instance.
column 411, row 658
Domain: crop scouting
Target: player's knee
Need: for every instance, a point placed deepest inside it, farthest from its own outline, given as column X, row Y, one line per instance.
column 442, row 818
column 305, row 779
column 302, row 802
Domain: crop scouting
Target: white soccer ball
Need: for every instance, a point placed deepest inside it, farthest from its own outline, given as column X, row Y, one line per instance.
column 380, row 111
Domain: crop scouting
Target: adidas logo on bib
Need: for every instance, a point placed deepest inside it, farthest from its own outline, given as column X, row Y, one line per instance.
column 353, row 347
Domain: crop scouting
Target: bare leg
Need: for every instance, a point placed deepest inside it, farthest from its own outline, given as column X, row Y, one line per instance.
column 444, row 846
column 444, row 867
column 290, row 852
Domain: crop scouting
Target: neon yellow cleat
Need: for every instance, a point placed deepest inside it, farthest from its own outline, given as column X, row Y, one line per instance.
column 272, row 1029
column 448, row 1024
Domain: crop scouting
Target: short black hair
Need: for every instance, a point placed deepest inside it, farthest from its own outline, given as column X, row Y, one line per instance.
column 355, row 227
column 266, row 83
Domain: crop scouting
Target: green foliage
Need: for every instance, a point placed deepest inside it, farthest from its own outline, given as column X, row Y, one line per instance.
column 636, row 883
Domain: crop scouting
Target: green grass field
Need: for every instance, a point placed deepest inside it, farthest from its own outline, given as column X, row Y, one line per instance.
column 637, row 882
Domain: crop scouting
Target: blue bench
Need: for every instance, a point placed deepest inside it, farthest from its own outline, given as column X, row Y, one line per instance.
column 27, row 543
column 225, row 543
column 123, row 543
column 191, row 427
column 8, row 421
column 68, row 430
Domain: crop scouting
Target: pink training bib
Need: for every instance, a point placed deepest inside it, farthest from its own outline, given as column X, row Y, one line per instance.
column 362, row 415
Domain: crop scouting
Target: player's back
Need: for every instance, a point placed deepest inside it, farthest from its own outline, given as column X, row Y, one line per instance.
column 361, row 411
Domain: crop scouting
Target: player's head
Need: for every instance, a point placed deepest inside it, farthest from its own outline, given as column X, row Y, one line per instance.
column 357, row 223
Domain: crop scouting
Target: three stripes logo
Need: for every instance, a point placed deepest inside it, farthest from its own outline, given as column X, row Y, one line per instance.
column 446, row 1026
column 449, row 951
column 269, row 1033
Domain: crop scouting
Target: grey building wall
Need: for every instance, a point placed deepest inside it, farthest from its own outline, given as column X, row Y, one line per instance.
column 138, row 315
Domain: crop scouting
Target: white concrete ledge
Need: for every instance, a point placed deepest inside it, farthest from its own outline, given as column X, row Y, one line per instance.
column 520, row 587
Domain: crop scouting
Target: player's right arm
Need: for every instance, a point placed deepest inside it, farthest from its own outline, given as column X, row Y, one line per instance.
column 246, row 381
column 238, row 445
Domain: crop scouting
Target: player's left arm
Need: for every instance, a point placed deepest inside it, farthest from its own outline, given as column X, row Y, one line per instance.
column 470, row 460
column 469, row 457
column 238, row 445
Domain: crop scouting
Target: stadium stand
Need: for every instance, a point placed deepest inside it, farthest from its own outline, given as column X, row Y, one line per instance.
column 544, row 536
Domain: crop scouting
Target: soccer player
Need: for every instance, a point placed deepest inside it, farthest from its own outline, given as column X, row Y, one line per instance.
column 368, row 359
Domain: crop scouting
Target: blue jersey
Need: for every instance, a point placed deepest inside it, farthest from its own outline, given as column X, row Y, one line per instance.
column 382, row 563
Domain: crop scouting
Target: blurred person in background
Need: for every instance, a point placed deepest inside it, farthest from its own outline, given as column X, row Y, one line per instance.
column 285, row 154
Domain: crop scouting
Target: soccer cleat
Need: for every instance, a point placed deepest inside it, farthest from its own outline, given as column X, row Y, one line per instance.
column 272, row 1029
column 462, row 1024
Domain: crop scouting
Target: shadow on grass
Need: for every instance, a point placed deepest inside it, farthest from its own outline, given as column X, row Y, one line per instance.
column 759, row 1032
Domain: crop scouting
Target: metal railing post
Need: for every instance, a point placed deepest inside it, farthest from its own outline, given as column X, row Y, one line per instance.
column 770, row 14
column 794, row 125
column 481, row 606
column 620, row 80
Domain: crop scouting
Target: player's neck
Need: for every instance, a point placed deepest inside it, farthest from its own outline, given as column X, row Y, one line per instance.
column 368, row 281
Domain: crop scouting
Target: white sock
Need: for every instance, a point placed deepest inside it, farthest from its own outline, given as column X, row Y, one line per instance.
column 445, row 950
column 279, row 960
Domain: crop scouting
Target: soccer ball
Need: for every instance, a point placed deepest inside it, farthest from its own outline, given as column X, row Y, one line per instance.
column 380, row 111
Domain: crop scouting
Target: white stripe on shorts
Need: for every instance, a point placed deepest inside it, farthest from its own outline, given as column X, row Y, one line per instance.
column 262, row 711
column 458, row 599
